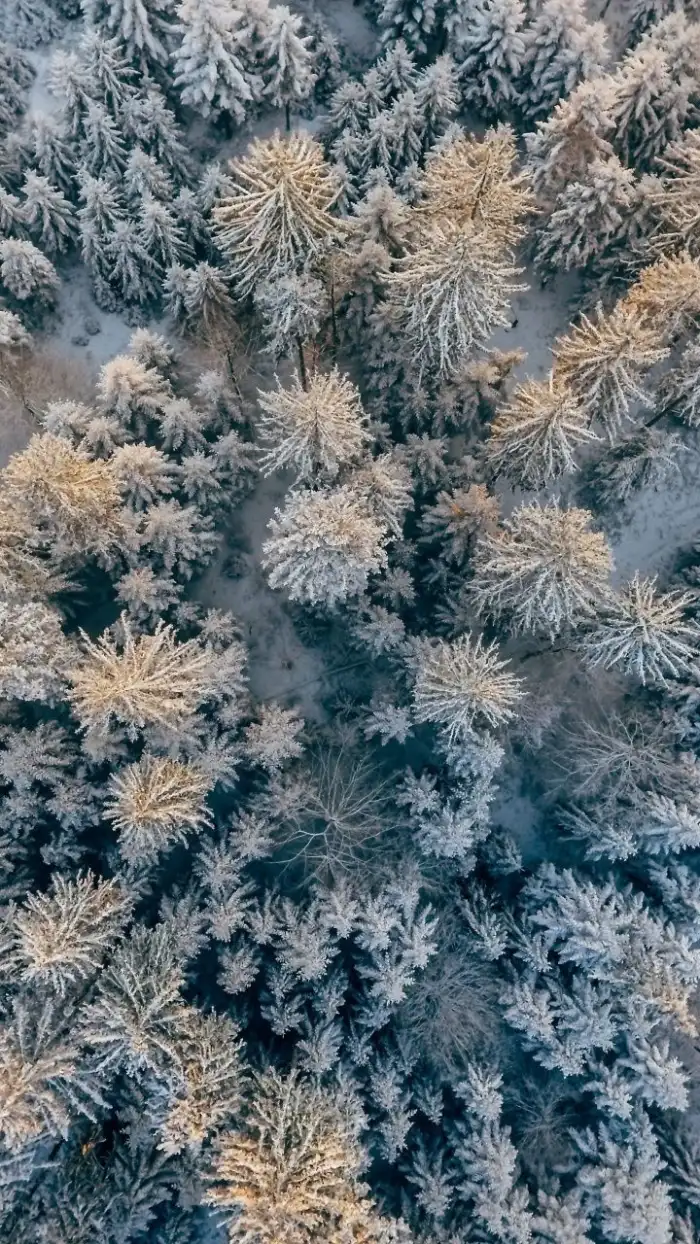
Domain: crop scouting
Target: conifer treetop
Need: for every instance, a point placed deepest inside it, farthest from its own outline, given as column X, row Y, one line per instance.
column 279, row 216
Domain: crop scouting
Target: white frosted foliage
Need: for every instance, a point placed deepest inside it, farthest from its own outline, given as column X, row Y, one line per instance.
column 208, row 68
column 317, row 428
column 463, row 684
column 323, row 547
column 646, row 633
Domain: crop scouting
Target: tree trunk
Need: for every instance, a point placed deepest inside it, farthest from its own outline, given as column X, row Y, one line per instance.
column 302, row 364
column 288, row 116
column 334, row 322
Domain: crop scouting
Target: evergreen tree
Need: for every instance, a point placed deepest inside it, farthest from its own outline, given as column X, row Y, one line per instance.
column 534, row 437
column 133, row 273
column 28, row 23
column 50, row 152
column 103, row 152
column 208, row 66
column 448, row 295
column 565, row 143
column 437, row 98
column 412, row 21
column 323, row 546
column 109, row 77
column 675, row 198
column 149, row 120
column 490, row 52
column 278, row 217
column 646, row 633
column 562, row 50
column 678, row 391
column 26, row 273
column 459, row 684
column 646, row 13
column 16, row 76
column 47, row 214
column 651, row 106
column 588, row 217
column 207, row 301
column 317, row 428
column 161, row 234
column 145, row 28
column 290, row 76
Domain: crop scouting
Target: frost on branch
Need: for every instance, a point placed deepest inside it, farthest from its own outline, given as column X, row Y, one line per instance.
column 60, row 939
column 313, row 429
column 75, row 498
column 668, row 293
column 141, row 680
column 324, row 546
column 449, row 294
column 646, row 633
column 154, row 804
column 463, row 684
column 292, row 1171
column 603, row 360
column 208, row 66
column 278, row 217
column 534, row 437
column 26, row 273
column 470, row 180
column 545, row 571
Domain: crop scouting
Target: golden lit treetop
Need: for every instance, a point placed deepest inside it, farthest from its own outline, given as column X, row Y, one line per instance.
column 74, row 497
column 278, row 217
column 668, row 293
column 144, row 680
column 290, row 1176
column 475, row 180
